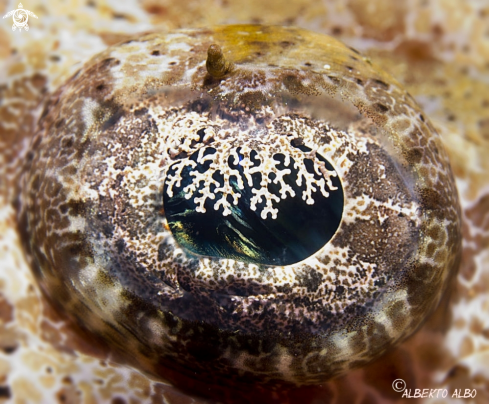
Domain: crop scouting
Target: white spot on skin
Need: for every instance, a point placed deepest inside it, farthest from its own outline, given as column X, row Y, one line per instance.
column 88, row 112
column 180, row 46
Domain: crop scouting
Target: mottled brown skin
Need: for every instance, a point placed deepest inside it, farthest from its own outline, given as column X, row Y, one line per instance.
column 57, row 165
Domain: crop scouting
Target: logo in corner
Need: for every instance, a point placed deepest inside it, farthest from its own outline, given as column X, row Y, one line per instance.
column 399, row 385
column 20, row 17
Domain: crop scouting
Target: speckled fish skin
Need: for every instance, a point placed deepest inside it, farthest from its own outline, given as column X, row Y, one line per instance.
column 437, row 49
column 94, row 223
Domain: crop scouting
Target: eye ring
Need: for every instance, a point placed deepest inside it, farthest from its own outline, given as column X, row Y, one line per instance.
column 125, row 183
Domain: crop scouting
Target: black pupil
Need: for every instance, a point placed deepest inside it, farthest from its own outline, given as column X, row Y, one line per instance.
column 299, row 230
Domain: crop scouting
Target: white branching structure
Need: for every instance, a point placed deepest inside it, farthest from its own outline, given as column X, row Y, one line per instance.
column 237, row 148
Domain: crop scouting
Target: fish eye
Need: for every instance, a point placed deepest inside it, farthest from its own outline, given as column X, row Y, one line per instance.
column 242, row 205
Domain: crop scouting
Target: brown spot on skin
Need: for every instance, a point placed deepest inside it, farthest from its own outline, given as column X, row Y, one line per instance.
column 68, row 395
column 397, row 315
column 468, row 268
column 5, row 392
column 484, row 128
column 415, row 51
column 413, row 155
column 377, row 337
column 381, row 108
column 382, row 20
column 295, row 86
column 6, row 310
column 430, row 198
column 9, row 340
column 67, row 380
column 479, row 213
column 155, row 9
column 253, row 100
column 112, row 38
column 381, row 83
column 31, row 90
column 458, row 378
column 372, row 113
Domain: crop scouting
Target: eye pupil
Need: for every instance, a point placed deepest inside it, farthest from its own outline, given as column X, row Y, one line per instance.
column 293, row 228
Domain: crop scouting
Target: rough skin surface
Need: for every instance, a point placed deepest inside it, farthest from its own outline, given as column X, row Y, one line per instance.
column 455, row 344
